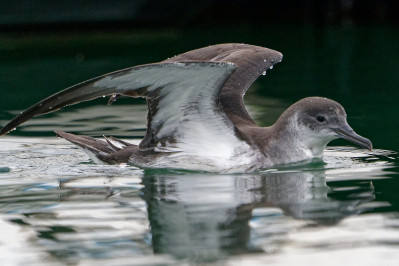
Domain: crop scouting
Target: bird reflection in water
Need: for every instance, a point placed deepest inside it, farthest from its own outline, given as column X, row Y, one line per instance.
column 205, row 217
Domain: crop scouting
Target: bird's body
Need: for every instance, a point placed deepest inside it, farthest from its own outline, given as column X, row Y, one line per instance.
column 196, row 116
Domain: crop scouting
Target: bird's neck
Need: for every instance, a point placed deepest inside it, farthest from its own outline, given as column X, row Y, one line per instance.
column 286, row 143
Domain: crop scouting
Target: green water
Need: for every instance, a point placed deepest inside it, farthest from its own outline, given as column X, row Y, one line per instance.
column 59, row 208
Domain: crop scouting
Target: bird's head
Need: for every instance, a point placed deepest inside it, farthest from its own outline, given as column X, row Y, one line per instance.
column 317, row 121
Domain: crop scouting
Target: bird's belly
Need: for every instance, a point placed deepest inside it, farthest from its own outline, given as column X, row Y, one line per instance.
column 240, row 162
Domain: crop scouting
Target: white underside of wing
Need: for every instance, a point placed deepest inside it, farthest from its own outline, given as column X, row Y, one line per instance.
column 189, row 112
column 159, row 75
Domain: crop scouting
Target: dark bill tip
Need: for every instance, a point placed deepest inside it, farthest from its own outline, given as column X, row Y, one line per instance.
column 346, row 132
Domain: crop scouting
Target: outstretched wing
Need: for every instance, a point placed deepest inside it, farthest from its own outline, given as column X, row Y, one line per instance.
column 251, row 62
column 142, row 81
column 195, row 100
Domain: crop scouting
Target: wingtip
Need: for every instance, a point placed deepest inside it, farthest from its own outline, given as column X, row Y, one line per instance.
column 277, row 58
column 5, row 130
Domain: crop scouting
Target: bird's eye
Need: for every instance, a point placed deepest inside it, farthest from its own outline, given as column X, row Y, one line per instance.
column 321, row 118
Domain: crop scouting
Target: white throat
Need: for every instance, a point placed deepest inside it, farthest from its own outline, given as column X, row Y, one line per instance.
column 297, row 143
column 314, row 142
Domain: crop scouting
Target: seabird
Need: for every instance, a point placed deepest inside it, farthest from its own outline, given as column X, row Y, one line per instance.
column 196, row 115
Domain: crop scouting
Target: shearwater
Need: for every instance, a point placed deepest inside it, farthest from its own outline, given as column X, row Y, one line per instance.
column 196, row 117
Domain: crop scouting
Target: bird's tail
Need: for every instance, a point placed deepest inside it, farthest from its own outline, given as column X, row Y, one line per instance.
column 98, row 150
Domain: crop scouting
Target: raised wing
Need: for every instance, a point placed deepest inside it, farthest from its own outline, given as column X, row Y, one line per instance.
column 141, row 81
column 195, row 100
column 251, row 62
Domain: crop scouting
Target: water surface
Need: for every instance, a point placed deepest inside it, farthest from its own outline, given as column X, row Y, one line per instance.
column 57, row 207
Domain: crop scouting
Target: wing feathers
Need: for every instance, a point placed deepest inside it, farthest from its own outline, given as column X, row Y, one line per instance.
column 136, row 81
column 251, row 62
column 195, row 100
